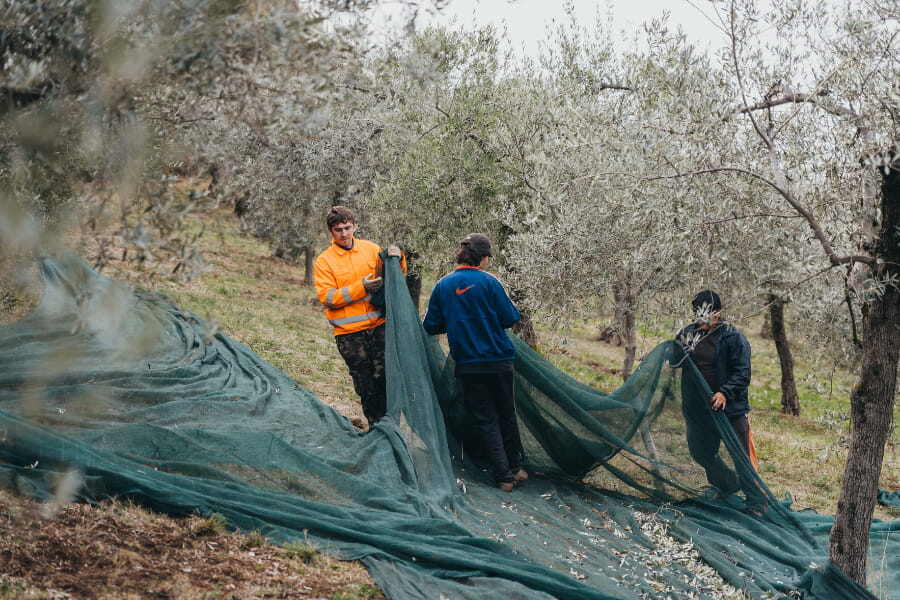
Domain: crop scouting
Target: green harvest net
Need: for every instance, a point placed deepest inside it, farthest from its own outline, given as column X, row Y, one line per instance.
column 148, row 403
column 889, row 499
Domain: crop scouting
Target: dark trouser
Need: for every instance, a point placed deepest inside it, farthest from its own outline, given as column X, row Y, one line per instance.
column 490, row 398
column 363, row 352
column 704, row 442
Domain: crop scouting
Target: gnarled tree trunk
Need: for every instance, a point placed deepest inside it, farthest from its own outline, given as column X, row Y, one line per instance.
column 765, row 332
column 872, row 399
column 626, row 326
column 309, row 257
column 525, row 329
column 790, row 401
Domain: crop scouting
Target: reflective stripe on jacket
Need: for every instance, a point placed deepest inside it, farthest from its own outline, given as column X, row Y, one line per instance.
column 338, row 275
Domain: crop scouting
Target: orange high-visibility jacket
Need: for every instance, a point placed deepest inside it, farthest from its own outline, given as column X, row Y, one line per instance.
column 339, row 277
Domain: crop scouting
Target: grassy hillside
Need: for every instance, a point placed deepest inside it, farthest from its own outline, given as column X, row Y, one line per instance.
column 262, row 302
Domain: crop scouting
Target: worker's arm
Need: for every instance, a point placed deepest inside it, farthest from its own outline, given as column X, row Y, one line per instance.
column 435, row 322
column 330, row 294
column 738, row 378
column 685, row 341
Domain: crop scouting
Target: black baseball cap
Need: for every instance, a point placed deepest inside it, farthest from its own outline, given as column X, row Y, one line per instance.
column 478, row 243
column 707, row 298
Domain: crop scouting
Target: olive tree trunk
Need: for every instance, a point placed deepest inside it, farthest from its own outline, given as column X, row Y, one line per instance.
column 765, row 332
column 413, row 277
column 790, row 401
column 309, row 257
column 625, row 324
column 872, row 398
column 525, row 327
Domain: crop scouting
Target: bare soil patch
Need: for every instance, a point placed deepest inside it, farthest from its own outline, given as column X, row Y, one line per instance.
column 117, row 550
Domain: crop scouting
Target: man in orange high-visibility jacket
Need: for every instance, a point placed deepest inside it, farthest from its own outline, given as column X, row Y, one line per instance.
column 346, row 275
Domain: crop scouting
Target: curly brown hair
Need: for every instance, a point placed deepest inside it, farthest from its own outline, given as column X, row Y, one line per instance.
column 339, row 214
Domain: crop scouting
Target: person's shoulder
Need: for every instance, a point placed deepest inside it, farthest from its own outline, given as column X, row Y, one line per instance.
column 492, row 279
column 733, row 334
column 368, row 245
column 324, row 254
column 729, row 329
column 443, row 281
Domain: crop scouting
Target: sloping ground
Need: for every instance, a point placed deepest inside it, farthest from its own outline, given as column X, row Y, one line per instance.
column 244, row 303
column 261, row 301
column 248, row 566
column 117, row 550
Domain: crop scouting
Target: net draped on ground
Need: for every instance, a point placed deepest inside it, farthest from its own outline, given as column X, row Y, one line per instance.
column 150, row 403
column 889, row 499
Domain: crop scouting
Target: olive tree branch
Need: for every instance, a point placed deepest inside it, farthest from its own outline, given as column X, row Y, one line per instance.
column 789, row 288
column 833, row 257
column 751, row 216
column 848, row 299
column 802, row 98
column 740, row 77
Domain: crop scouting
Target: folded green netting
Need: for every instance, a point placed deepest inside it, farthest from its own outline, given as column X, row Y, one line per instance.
column 149, row 403
column 889, row 499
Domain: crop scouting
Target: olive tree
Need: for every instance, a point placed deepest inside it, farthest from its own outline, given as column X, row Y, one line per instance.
column 75, row 144
column 818, row 109
column 452, row 149
column 107, row 103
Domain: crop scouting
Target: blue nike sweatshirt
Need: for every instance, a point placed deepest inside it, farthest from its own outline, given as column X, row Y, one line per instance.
column 472, row 308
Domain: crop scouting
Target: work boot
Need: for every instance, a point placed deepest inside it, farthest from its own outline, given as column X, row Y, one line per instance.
column 520, row 475
column 506, row 486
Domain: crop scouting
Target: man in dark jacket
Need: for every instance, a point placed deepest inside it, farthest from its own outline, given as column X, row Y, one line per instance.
column 721, row 354
column 472, row 308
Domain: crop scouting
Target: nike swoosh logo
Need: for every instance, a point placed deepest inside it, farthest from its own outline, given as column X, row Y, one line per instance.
column 461, row 291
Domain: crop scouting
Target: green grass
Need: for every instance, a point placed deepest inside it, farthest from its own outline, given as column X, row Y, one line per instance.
column 261, row 302
column 360, row 592
column 303, row 551
column 210, row 526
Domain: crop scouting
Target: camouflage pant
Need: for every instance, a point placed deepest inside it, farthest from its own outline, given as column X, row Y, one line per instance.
column 363, row 352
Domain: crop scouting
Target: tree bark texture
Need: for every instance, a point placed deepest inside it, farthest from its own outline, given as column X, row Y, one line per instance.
column 626, row 327
column 414, row 285
column 872, row 398
column 309, row 258
column 625, row 323
column 413, row 275
column 765, row 332
column 790, row 401
column 525, row 327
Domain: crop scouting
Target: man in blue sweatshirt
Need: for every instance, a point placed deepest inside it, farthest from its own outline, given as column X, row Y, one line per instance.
column 472, row 308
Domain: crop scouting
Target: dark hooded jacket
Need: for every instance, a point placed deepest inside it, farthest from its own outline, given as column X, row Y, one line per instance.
column 732, row 361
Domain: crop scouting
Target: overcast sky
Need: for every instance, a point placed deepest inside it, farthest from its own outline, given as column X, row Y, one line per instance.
column 526, row 20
